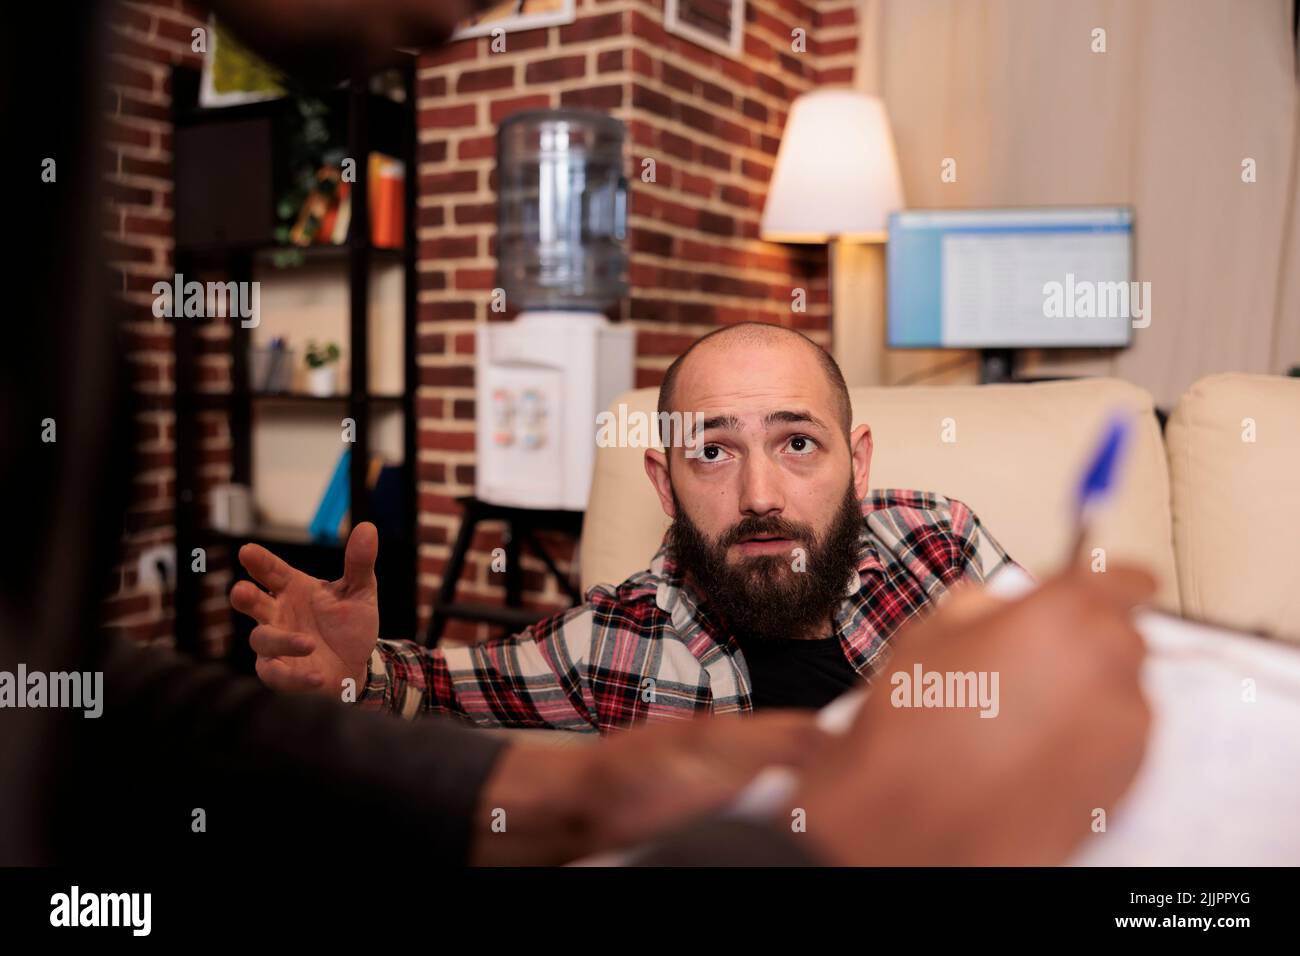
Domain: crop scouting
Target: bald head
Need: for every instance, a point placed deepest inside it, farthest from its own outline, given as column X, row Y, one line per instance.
column 715, row 346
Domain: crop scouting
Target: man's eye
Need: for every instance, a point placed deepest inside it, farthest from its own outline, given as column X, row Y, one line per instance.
column 802, row 445
column 711, row 453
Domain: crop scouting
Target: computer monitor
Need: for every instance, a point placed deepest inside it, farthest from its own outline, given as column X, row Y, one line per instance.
column 1002, row 279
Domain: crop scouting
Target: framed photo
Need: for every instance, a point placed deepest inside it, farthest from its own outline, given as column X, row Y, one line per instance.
column 232, row 74
column 515, row 15
column 716, row 24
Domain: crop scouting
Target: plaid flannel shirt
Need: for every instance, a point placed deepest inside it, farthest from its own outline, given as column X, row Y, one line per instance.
column 649, row 649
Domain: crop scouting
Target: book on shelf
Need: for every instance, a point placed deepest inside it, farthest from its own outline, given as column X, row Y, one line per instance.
column 384, row 485
column 332, row 511
column 336, row 227
column 387, row 501
column 387, row 211
column 326, row 213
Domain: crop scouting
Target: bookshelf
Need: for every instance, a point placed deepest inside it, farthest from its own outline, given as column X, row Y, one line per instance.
column 231, row 167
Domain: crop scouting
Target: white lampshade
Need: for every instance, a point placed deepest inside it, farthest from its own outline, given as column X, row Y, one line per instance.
column 836, row 173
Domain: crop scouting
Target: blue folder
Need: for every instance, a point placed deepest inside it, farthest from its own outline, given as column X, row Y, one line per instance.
column 335, row 502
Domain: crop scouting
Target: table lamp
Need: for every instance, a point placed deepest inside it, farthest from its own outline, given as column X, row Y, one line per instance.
column 836, row 181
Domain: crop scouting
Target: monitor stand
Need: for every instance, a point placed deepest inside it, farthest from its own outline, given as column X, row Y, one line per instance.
column 997, row 366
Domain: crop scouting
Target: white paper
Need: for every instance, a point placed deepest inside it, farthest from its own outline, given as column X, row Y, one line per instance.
column 1220, row 784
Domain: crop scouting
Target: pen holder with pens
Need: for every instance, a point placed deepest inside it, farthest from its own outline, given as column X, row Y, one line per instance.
column 270, row 367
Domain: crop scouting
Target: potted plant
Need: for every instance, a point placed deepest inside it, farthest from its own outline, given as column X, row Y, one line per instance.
column 323, row 368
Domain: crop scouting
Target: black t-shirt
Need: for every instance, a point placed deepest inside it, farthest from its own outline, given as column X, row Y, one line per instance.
column 787, row 673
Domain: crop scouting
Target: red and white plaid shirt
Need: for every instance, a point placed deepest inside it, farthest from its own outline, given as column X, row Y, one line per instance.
column 648, row 649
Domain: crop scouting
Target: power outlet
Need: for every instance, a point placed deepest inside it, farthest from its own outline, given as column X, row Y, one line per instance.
column 147, row 568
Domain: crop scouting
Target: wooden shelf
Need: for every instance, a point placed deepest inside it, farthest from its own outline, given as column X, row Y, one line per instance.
column 275, row 536
column 271, row 535
column 223, row 399
column 334, row 251
column 218, row 254
column 298, row 398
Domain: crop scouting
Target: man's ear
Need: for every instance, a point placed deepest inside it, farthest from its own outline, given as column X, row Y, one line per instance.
column 656, row 467
column 860, row 448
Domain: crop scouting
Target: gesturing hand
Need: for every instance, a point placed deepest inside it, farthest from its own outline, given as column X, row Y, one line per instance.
column 311, row 634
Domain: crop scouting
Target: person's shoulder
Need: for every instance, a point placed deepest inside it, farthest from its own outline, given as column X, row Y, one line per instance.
column 922, row 525
column 631, row 607
column 931, row 533
column 911, row 508
column 637, row 594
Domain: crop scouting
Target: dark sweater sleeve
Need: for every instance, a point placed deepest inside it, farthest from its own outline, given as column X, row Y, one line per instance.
column 718, row 841
column 284, row 774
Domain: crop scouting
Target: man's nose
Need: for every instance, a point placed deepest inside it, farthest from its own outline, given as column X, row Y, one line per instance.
column 760, row 488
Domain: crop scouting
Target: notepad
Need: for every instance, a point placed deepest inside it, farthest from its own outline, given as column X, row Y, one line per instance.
column 1220, row 782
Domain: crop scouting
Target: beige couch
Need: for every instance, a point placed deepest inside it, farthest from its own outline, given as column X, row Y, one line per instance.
column 1234, row 466
column 1213, row 515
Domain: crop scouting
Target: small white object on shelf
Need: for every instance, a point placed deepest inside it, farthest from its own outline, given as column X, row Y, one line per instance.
column 232, row 509
column 323, row 381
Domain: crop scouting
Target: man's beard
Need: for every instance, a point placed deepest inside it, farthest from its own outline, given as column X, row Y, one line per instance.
column 764, row 595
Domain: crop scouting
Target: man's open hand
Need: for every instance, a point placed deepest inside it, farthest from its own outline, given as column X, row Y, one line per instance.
column 312, row 635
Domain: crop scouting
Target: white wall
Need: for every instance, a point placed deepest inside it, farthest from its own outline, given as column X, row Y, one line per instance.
column 1162, row 120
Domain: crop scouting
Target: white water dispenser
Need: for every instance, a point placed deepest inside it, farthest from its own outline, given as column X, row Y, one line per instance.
column 543, row 378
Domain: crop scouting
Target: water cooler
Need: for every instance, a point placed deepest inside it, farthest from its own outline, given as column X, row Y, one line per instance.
column 543, row 378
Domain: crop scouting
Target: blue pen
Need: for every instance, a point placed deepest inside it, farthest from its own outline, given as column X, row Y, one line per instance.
column 1099, row 479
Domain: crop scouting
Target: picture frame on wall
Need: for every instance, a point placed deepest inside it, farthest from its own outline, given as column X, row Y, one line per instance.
column 232, row 74
column 513, row 16
column 716, row 24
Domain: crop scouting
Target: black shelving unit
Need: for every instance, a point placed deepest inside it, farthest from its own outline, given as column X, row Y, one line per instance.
column 228, row 170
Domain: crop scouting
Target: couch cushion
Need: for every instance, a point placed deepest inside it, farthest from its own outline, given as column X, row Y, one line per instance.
column 1016, row 459
column 1234, row 466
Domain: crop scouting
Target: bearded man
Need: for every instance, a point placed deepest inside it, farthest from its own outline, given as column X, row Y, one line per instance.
column 779, row 583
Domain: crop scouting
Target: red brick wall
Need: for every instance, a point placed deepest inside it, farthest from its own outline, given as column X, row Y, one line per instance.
column 147, row 39
column 712, row 125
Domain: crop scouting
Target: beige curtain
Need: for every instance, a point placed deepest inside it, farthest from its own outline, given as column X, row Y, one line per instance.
column 1286, row 348
column 1185, row 92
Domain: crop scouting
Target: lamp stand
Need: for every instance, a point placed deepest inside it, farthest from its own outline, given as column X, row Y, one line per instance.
column 856, row 273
